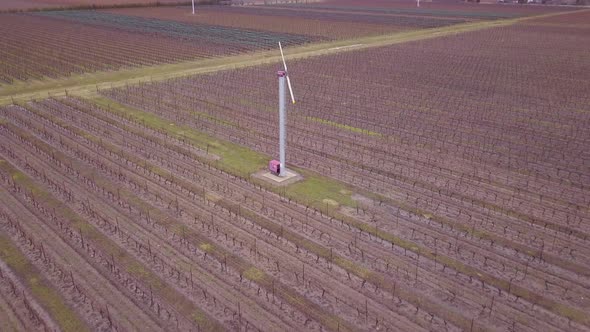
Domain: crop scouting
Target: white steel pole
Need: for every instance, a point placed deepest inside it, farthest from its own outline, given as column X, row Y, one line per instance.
column 282, row 123
column 193, row 7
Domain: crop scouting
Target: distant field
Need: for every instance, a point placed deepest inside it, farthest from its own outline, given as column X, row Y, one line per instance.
column 579, row 19
column 28, row 5
column 61, row 43
column 337, row 20
column 449, row 6
column 53, row 44
column 281, row 21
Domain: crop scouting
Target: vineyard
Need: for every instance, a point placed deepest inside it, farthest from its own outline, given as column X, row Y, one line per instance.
column 445, row 179
column 90, row 41
column 477, row 173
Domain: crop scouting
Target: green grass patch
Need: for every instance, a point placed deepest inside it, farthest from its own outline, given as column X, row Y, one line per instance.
column 42, row 290
column 254, row 274
column 211, row 117
column 235, row 159
column 199, row 318
column 343, row 126
column 315, row 190
column 137, row 269
column 206, row 247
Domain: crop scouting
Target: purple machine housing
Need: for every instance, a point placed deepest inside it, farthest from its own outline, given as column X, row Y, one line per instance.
column 274, row 166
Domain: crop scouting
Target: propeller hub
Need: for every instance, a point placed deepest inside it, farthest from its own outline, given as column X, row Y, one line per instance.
column 281, row 73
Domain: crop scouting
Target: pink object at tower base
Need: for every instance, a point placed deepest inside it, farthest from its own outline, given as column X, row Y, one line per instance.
column 274, row 166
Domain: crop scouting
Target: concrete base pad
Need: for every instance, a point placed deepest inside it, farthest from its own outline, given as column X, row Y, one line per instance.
column 290, row 177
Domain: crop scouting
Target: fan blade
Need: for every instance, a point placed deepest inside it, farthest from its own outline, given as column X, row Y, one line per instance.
column 290, row 89
column 287, row 71
column 283, row 57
